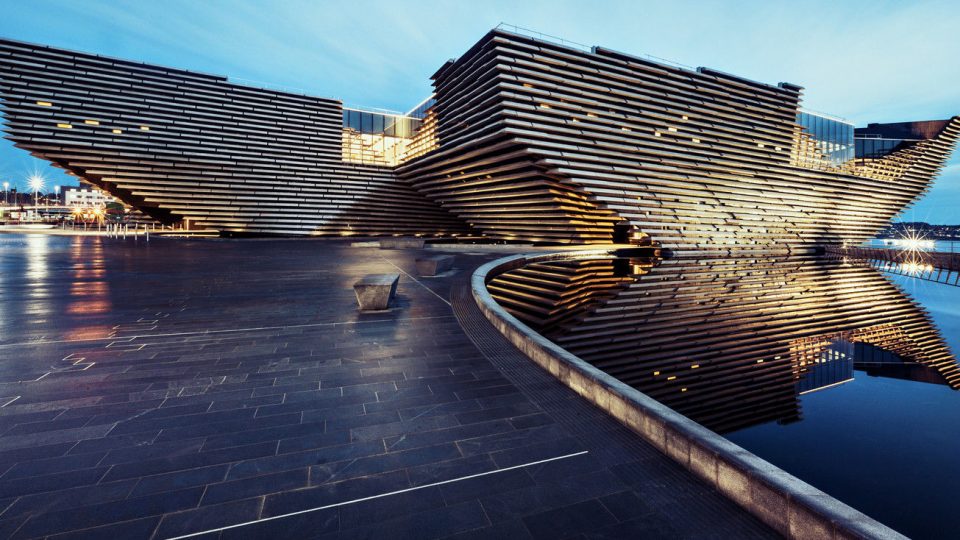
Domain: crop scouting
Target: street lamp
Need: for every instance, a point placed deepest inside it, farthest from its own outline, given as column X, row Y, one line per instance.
column 36, row 184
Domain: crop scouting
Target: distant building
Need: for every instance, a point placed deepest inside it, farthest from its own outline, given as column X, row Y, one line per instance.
column 79, row 197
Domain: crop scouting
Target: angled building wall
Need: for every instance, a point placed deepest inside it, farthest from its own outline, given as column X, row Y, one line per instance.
column 549, row 142
column 184, row 145
column 526, row 140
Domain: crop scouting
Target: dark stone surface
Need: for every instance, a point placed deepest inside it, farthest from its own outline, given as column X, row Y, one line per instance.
column 155, row 390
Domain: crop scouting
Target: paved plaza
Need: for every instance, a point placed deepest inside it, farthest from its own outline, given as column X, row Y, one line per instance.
column 231, row 389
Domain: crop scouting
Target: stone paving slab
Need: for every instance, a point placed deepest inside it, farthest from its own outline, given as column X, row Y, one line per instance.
column 181, row 386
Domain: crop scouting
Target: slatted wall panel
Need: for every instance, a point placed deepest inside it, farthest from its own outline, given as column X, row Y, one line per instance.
column 537, row 142
column 180, row 144
column 545, row 142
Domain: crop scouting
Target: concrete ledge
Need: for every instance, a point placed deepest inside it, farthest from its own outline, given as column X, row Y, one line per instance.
column 401, row 242
column 433, row 265
column 375, row 291
column 785, row 503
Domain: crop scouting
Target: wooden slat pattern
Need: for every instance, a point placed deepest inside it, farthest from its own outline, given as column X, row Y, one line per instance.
column 548, row 143
column 225, row 156
column 527, row 141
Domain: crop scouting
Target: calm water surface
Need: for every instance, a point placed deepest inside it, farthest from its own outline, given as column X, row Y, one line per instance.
column 723, row 341
column 888, row 447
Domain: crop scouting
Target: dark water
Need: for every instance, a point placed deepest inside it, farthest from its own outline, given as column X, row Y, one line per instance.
column 734, row 343
column 888, row 447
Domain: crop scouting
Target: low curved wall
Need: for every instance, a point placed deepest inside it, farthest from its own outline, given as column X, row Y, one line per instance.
column 787, row 504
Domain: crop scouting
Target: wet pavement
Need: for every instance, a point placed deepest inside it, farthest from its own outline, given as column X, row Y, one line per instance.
column 230, row 388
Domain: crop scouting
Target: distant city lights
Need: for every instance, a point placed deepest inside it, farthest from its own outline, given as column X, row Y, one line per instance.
column 913, row 241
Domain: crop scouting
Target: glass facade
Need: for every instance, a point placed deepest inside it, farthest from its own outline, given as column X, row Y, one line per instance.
column 833, row 137
column 374, row 123
column 876, row 147
column 420, row 111
column 832, row 366
column 375, row 138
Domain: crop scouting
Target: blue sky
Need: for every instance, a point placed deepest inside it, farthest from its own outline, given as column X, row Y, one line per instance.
column 867, row 61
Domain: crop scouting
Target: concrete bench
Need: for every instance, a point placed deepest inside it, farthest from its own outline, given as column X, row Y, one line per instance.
column 437, row 264
column 376, row 290
column 400, row 242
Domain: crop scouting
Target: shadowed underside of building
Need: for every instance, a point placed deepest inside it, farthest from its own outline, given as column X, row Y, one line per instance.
column 526, row 140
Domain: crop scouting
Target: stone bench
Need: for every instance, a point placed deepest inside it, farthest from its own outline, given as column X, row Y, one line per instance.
column 375, row 291
column 437, row 264
column 400, row 242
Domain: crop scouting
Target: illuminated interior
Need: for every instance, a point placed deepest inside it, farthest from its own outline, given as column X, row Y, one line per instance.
column 374, row 138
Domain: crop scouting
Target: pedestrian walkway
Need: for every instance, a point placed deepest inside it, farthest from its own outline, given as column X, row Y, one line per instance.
column 227, row 389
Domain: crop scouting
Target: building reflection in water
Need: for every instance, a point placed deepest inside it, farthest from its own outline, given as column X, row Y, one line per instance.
column 729, row 342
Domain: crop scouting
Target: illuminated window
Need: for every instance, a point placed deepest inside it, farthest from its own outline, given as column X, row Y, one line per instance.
column 64, row 126
column 684, row 117
column 672, row 377
column 760, row 145
column 695, row 366
column 591, row 115
column 672, row 128
column 91, row 122
column 145, row 128
column 760, row 361
column 544, row 106
column 384, row 139
column 45, row 104
column 696, row 141
column 655, row 373
column 683, row 389
column 656, row 133
column 625, row 128
column 118, row 131
column 527, row 85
